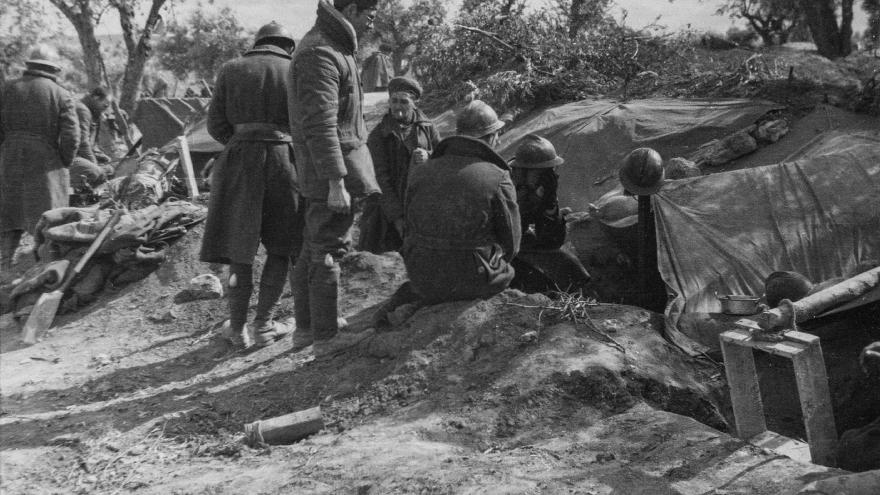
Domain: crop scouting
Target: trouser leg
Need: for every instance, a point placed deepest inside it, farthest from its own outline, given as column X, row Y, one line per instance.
column 241, row 286
column 299, row 287
column 327, row 240
column 271, row 285
column 9, row 241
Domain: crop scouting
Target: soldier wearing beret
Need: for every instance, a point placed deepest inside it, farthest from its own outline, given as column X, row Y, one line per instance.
column 404, row 136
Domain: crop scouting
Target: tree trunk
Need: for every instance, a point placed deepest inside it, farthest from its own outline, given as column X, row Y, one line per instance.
column 832, row 41
column 576, row 18
column 83, row 20
column 138, row 51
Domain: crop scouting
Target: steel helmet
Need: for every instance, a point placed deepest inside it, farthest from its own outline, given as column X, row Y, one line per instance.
column 45, row 55
column 477, row 119
column 273, row 30
column 642, row 172
column 536, row 152
column 785, row 285
column 616, row 211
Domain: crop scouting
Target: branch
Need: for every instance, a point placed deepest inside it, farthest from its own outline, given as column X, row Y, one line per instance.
column 487, row 34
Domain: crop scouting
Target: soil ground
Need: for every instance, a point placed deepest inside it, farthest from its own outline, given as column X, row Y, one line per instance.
column 138, row 394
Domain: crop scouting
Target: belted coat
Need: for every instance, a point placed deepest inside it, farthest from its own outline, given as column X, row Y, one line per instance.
column 326, row 115
column 462, row 223
column 39, row 135
column 254, row 194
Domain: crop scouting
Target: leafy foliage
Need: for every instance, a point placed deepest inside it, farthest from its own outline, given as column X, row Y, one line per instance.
column 773, row 20
column 403, row 30
column 202, row 44
column 531, row 58
column 21, row 34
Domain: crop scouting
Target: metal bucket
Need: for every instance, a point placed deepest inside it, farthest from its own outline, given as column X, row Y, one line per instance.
column 737, row 304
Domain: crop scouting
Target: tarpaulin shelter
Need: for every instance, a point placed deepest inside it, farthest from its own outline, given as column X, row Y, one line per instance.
column 594, row 135
column 377, row 72
column 162, row 119
column 816, row 213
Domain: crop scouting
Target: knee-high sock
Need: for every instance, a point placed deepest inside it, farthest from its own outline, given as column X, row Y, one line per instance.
column 241, row 285
column 271, row 285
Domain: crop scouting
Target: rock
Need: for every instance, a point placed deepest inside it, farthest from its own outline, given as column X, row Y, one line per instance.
column 772, row 130
column 681, row 168
column 66, row 440
column 163, row 316
column 850, row 484
column 528, row 337
column 205, row 286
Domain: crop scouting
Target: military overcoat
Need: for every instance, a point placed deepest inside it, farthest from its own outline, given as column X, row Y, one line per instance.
column 39, row 135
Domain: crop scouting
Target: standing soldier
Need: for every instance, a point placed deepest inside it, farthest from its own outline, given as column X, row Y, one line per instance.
column 329, row 139
column 39, row 134
column 462, row 220
column 405, row 135
column 254, row 184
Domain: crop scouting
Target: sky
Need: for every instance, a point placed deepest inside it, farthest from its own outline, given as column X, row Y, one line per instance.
column 299, row 15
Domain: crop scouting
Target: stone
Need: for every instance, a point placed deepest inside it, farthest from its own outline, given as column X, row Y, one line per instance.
column 850, row 484
column 681, row 168
column 529, row 337
column 205, row 286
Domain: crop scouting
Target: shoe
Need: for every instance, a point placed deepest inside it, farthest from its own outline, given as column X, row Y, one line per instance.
column 234, row 336
column 268, row 332
column 340, row 343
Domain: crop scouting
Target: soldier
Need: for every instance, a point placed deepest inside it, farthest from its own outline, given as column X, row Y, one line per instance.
column 462, row 220
column 254, row 183
column 334, row 164
column 544, row 261
column 405, row 135
column 91, row 166
column 39, row 135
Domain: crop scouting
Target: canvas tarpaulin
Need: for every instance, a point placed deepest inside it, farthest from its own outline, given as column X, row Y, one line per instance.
column 162, row 119
column 816, row 213
column 594, row 135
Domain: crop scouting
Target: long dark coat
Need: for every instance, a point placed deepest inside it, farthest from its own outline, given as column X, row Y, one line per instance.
column 39, row 135
column 392, row 152
column 326, row 113
column 462, row 223
column 253, row 182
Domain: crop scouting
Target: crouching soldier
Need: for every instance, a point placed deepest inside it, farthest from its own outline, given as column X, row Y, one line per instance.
column 543, row 263
column 91, row 167
column 404, row 136
column 462, row 220
column 254, row 184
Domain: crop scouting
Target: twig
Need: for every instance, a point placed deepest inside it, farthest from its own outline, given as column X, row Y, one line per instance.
column 491, row 36
column 141, row 460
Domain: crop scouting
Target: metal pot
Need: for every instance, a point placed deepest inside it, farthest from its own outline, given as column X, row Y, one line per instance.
column 736, row 304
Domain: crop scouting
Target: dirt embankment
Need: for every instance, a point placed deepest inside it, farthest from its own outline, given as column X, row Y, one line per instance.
column 137, row 394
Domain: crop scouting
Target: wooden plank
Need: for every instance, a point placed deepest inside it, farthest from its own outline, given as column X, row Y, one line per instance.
column 185, row 159
column 815, row 398
column 745, row 393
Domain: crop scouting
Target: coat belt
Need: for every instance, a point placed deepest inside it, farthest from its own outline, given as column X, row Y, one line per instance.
column 260, row 126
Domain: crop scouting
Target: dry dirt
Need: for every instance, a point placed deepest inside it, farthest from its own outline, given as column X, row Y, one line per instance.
column 136, row 394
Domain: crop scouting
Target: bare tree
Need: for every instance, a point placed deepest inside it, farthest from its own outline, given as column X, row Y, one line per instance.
column 773, row 20
column 138, row 46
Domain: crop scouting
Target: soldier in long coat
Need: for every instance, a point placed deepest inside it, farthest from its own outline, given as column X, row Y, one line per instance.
column 403, row 136
column 254, row 191
column 39, row 135
column 462, row 219
column 334, row 164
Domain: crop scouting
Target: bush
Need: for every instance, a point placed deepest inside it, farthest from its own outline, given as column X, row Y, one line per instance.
column 530, row 59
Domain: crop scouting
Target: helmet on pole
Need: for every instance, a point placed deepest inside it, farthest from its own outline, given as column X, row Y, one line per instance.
column 642, row 172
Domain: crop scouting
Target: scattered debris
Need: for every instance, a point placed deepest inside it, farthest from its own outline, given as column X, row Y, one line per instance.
column 285, row 429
